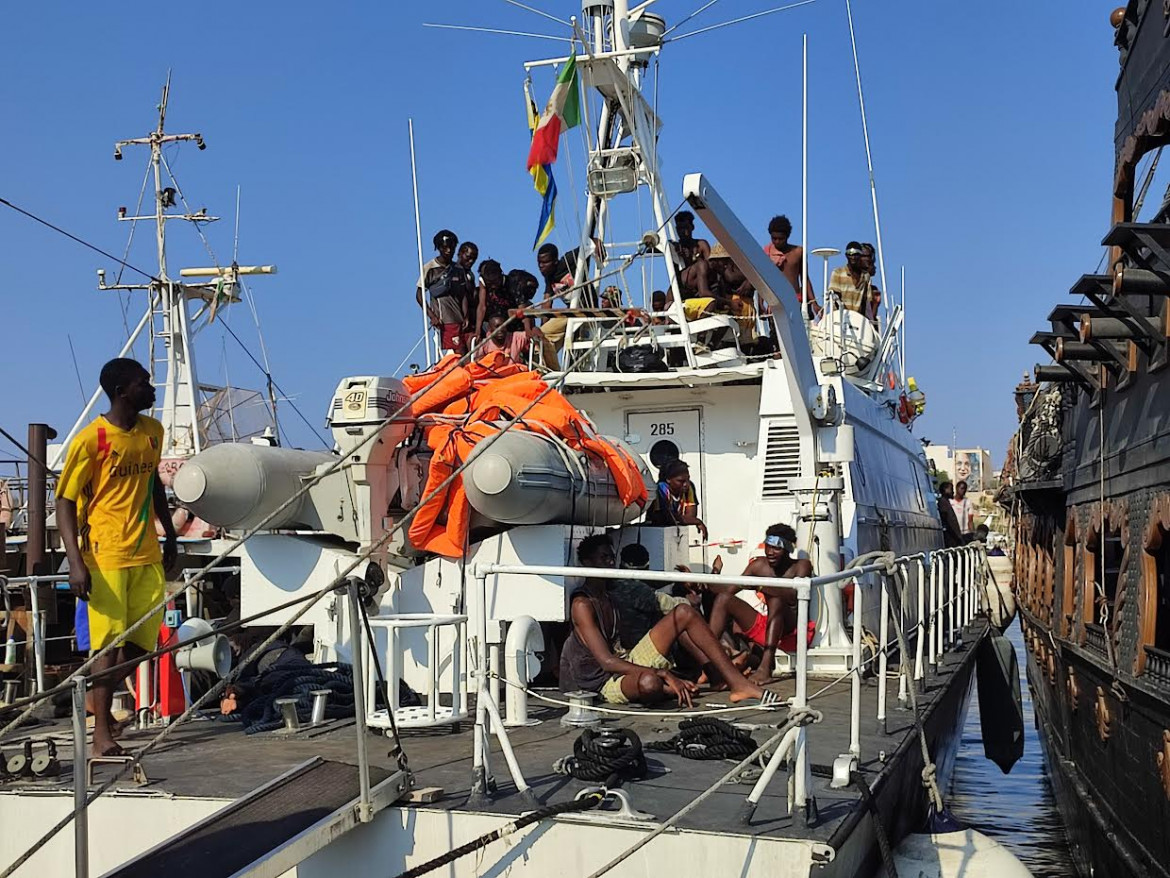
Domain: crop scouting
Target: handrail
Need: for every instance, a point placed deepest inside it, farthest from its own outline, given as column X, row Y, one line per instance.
column 798, row 583
column 948, row 586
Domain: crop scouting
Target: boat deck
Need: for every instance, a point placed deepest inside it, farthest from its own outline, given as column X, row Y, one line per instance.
column 213, row 759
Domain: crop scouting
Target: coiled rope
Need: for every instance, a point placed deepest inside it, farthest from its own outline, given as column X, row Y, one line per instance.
column 609, row 757
column 707, row 738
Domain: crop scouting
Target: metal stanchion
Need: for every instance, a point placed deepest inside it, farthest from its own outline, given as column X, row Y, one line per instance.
column 365, row 809
column 80, row 782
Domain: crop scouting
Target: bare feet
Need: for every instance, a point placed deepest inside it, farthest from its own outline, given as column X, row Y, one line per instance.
column 106, row 747
column 761, row 677
column 744, row 691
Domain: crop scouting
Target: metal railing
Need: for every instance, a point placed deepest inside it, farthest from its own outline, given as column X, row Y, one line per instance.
column 949, row 594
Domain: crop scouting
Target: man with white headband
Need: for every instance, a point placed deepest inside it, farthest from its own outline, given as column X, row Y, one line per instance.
column 765, row 630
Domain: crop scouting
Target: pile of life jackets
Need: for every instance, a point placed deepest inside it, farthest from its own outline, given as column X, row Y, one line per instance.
column 476, row 401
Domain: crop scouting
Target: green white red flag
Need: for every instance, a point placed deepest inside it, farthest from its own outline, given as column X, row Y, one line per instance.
column 562, row 113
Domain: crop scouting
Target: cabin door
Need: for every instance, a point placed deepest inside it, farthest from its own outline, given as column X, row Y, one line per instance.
column 665, row 435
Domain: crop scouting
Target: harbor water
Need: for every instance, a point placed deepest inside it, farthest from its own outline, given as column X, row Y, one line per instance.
column 1016, row 809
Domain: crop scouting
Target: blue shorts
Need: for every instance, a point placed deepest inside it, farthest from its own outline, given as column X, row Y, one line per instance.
column 81, row 626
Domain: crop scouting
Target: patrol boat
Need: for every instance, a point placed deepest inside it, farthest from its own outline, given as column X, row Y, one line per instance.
column 815, row 433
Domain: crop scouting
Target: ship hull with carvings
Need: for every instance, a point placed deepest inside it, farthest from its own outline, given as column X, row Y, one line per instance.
column 1091, row 501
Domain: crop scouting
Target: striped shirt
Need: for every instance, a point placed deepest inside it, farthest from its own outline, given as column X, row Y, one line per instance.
column 860, row 297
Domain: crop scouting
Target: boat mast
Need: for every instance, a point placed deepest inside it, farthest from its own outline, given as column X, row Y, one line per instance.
column 169, row 321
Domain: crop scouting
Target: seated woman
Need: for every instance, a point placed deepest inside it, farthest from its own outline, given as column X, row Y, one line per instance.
column 675, row 501
column 593, row 659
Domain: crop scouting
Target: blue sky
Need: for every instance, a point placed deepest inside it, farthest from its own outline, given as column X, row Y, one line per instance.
column 991, row 127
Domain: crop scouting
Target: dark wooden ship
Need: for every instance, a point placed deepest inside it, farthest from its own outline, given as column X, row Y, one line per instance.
column 1089, row 488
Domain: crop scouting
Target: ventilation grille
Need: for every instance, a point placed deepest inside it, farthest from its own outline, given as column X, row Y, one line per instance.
column 781, row 459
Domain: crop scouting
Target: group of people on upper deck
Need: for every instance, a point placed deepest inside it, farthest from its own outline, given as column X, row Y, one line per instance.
column 480, row 308
column 633, row 642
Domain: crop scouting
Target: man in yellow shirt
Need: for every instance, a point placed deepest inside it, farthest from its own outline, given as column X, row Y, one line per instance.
column 108, row 498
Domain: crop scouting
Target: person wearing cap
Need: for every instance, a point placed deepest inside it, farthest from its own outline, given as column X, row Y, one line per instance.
column 853, row 283
column 789, row 258
column 444, row 281
column 767, row 629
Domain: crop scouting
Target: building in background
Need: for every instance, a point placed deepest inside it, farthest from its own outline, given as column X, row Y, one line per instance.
column 970, row 465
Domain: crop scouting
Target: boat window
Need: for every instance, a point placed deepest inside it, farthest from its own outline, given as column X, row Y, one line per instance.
column 663, row 452
column 1106, row 571
column 1162, row 600
column 1068, row 581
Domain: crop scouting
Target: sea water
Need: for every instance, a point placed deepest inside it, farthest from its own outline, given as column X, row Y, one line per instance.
column 1017, row 809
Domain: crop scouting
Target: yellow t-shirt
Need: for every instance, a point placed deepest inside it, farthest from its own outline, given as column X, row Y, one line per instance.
column 109, row 472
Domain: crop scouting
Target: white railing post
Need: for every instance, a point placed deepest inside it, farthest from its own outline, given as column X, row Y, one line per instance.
column 800, row 701
column 950, row 562
column 935, row 619
column 919, row 670
column 968, row 576
column 855, row 696
column 883, row 642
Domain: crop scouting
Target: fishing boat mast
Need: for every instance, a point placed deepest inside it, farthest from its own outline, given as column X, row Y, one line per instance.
column 169, row 321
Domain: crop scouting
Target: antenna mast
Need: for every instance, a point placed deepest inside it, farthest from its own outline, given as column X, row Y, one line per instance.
column 170, row 322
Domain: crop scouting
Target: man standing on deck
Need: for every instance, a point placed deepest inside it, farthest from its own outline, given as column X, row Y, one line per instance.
column 444, row 282
column 789, row 258
column 765, row 630
column 952, row 533
column 109, row 497
column 853, row 283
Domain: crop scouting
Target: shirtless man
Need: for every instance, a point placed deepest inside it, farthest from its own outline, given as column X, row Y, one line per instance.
column 693, row 254
column 765, row 630
column 789, row 258
column 593, row 658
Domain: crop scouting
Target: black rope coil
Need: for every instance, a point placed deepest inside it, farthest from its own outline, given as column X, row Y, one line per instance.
column 608, row 757
column 707, row 738
column 262, row 715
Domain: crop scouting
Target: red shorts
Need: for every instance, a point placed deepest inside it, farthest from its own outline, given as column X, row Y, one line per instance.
column 757, row 634
column 451, row 337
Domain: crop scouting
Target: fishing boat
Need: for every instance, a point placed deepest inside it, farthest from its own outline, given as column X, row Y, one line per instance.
column 1089, row 493
column 431, row 553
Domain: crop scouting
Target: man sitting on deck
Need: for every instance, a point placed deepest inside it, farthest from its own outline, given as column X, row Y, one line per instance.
column 765, row 630
column 691, row 257
column 594, row 660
